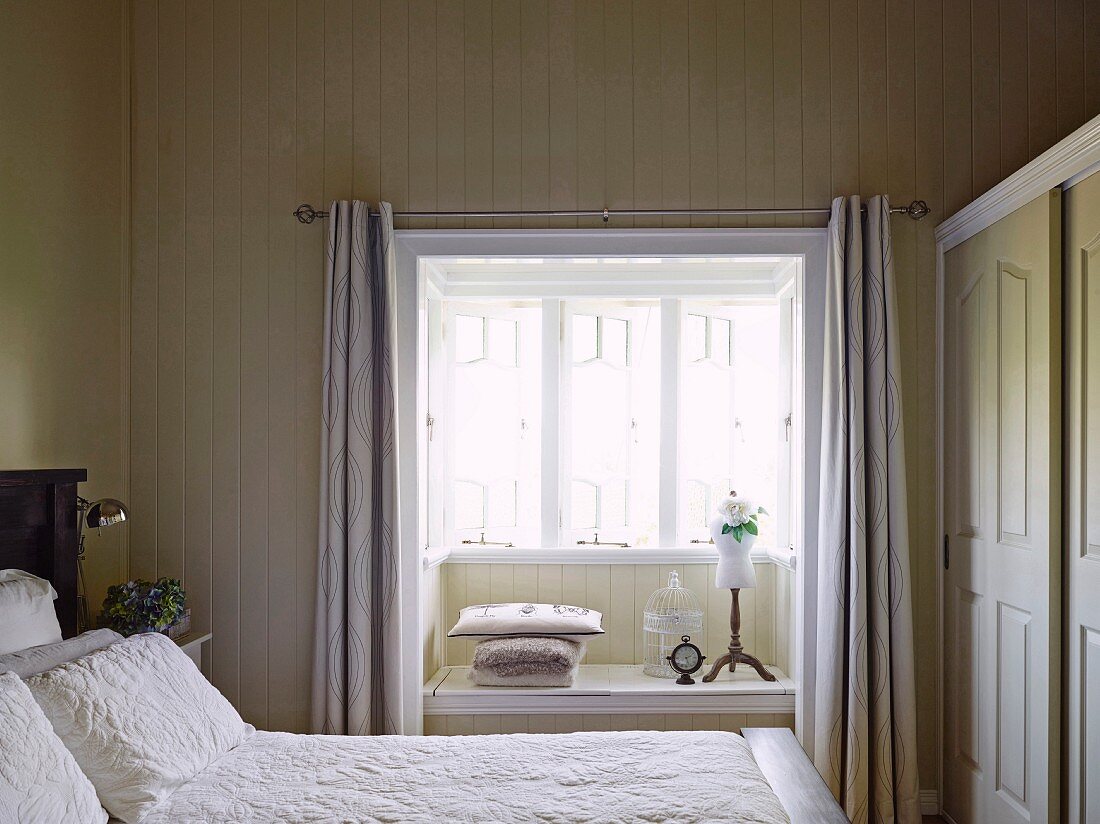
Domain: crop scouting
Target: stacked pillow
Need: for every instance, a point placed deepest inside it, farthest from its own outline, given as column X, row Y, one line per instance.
column 527, row 645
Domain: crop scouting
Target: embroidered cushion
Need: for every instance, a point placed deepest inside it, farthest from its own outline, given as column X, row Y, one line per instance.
column 140, row 720
column 39, row 780
column 552, row 620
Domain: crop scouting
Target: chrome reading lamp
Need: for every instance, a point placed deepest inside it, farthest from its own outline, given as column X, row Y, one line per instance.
column 96, row 514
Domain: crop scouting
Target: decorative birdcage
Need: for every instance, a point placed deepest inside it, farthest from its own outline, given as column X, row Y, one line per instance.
column 670, row 613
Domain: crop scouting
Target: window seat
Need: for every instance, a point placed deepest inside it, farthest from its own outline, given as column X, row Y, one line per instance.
column 612, row 689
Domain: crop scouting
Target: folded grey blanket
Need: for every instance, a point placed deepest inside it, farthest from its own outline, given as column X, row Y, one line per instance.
column 486, row 678
column 527, row 655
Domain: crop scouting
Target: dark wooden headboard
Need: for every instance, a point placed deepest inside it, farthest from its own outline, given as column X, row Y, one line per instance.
column 38, row 531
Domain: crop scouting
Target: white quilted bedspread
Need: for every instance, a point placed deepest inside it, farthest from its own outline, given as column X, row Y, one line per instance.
column 581, row 777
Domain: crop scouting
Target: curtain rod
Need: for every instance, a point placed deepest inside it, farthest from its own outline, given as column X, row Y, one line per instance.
column 916, row 210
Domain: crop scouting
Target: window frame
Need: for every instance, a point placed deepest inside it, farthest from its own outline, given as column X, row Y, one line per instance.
column 417, row 276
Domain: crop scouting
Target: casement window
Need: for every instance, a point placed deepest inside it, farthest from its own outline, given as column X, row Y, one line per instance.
column 585, row 421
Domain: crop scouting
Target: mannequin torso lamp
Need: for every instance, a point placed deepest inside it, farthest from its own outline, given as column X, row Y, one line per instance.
column 735, row 572
column 105, row 512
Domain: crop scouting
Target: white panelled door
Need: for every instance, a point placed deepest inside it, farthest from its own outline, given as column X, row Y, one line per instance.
column 1082, row 559
column 1002, row 465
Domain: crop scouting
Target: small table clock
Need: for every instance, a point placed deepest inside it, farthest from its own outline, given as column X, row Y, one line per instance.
column 686, row 659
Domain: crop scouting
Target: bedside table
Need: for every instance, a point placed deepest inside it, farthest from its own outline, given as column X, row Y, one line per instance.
column 197, row 648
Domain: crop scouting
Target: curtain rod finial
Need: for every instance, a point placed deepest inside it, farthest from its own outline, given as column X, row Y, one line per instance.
column 918, row 210
column 307, row 214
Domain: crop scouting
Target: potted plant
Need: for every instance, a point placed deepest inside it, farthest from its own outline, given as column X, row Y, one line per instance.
column 144, row 606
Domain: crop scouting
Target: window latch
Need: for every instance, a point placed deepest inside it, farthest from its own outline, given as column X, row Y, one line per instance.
column 430, row 423
column 598, row 542
column 483, row 542
column 787, row 423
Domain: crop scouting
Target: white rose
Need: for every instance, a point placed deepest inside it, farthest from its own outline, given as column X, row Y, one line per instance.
column 736, row 510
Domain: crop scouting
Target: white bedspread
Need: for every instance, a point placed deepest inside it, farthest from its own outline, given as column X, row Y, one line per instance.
column 581, row 777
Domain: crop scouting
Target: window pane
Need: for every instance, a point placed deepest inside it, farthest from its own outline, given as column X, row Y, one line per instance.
column 720, row 341
column 613, row 423
column 502, row 504
column 469, row 505
column 469, row 338
column 613, row 505
column 585, row 344
column 695, row 338
column 616, row 341
column 491, row 430
column 503, row 341
column 729, row 414
column 584, row 505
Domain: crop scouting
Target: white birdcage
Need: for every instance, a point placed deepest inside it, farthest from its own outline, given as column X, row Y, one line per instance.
column 670, row 613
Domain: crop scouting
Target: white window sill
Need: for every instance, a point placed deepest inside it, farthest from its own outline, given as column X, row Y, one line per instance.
column 611, row 689
column 692, row 554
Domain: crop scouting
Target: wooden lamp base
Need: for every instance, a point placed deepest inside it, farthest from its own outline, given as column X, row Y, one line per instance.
column 736, row 654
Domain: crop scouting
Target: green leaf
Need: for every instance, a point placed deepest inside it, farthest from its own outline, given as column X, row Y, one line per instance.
column 761, row 511
column 726, row 529
column 738, row 532
column 750, row 527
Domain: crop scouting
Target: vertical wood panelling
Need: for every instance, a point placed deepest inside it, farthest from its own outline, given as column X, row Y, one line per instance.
column 309, row 165
column 238, row 113
column 422, row 111
column 620, row 593
column 285, row 704
column 535, row 109
column 226, row 439
column 143, row 293
column 987, row 104
column 255, row 361
column 507, row 141
column 198, row 308
column 702, row 97
column 171, row 278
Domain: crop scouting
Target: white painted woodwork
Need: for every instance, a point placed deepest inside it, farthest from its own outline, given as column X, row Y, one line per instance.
column 612, row 690
column 1002, row 518
column 488, row 724
column 1082, row 554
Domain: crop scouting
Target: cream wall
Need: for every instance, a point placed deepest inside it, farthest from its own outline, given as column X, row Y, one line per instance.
column 244, row 108
column 64, row 217
column 620, row 593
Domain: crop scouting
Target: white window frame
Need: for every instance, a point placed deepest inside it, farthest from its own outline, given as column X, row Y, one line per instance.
column 415, row 282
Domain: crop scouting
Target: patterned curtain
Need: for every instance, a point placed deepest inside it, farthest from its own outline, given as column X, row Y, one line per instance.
column 865, row 707
column 356, row 670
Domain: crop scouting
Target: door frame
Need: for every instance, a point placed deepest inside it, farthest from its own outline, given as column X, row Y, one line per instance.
column 1065, row 163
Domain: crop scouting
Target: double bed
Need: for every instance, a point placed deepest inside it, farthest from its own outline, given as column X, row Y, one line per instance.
column 160, row 745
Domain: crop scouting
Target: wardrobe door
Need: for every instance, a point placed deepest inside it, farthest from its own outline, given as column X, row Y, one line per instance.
column 1082, row 572
column 1002, row 512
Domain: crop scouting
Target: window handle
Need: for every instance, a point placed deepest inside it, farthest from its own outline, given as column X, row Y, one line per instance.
column 741, row 429
column 787, row 423
column 430, row 423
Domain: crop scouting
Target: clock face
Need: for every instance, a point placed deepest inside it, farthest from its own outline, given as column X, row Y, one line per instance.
column 685, row 658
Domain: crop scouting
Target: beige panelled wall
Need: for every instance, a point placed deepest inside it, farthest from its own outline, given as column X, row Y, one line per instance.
column 64, row 268
column 244, row 108
column 620, row 592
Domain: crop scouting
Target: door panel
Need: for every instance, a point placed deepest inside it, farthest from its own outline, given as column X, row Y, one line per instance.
column 1002, row 390
column 1082, row 558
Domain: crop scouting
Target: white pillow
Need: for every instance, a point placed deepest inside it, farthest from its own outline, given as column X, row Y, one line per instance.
column 39, row 780
column 140, row 720
column 554, row 620
column 33, row 660
column 26, row 611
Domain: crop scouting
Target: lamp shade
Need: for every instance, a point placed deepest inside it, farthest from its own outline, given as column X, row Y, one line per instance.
column 106, row 512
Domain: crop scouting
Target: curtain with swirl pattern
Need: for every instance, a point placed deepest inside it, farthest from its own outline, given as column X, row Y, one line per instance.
column 865, row 702
column 356, row 657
